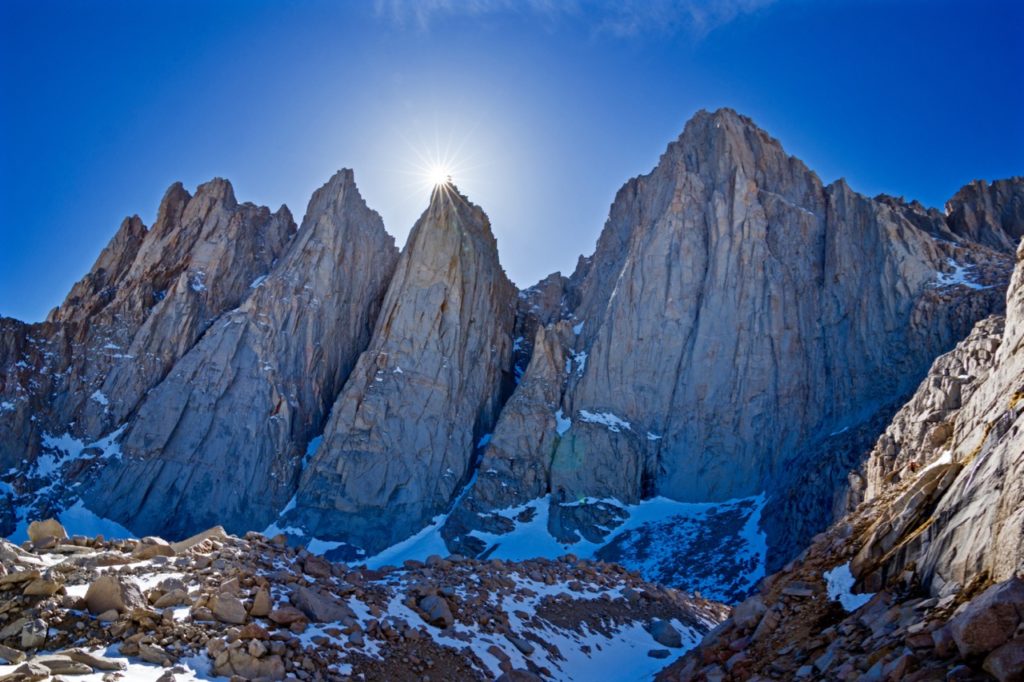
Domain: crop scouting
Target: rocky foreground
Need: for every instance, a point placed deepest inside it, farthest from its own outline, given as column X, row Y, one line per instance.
column 257, row 609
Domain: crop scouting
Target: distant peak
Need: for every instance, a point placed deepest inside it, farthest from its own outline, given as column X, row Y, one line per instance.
column 218, row 189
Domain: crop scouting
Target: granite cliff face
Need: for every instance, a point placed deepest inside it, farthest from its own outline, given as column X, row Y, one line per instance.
column 756, row 317
column 740, row 331
column 402, row 434
column 150, row 295
column 221, row 439
column 922, row 578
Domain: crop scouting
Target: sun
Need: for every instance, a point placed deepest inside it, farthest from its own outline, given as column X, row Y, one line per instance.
column 439, row 174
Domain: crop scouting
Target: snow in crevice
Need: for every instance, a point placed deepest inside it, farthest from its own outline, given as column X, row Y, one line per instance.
column 961, row 276
column 562, row 423
column 613, row 422
column 839, row 582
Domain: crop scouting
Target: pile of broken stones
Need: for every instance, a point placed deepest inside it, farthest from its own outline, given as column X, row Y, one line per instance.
column 253, row 608
column 794, row 629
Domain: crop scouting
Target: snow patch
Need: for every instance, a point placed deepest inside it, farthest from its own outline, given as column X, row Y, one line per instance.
column 256, row 283
column 562, row 423
column 839, row 582
column 613, row 422
column 959, row 276
column 99, row 397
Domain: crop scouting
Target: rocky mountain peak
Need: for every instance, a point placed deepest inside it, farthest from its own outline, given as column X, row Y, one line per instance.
column 441, row 351
column 991, row 214
column 266, row 375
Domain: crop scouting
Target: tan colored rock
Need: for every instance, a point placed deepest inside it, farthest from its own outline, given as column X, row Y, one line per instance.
column 12, row 628
column 34, row 633
column 39, row 530
column 150, row 547
column 228, row 608
column 1006, row 663
column 286, row 615
column 176, row 597
column 111, row 593
column 215, row 533
column 990, row 619
column 28, row 672
column 11, row 655
column 154, row 654
column 43, row 587
column 436, row 611
column 93, row 660
column 62, row 665
column 320, row 606
column 261, row 604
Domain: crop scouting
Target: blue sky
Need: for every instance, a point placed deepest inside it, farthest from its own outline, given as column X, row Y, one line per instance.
column 550, row 105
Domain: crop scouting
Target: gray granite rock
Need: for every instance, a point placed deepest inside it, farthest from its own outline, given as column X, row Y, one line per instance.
column 402, row 434
column 222, row 438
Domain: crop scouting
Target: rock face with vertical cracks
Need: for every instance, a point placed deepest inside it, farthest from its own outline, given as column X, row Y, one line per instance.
column 401, row 437
column 221, row 439
column 736, row 317
column 149, row 297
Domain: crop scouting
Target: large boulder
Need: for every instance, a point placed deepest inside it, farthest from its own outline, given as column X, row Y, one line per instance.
column 50, row 528
column 436, row 611
column 990, row 619
column 110, row 592
column 319, row 606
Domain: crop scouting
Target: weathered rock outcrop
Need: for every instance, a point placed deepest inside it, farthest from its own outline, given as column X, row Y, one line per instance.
column 959, row 445
column 924, row 575
column 146, row 301
column 736, row 317
column 989, row 214
column 221, row 439
column 402, row 435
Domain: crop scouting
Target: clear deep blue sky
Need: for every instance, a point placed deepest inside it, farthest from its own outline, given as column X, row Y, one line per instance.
column 553, row 105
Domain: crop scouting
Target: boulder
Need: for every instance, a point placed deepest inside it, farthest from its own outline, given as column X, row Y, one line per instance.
column 665, row 634
column 286, row 615
column 261, row 604
column 33, row 634
column 50, row 528
column 11, row 655
column 1006, row 663
column 320, row 607
column 28, row 672
column 990, row 619
column 93, row 660
column 227, row 608
column 112, row 593
column 436, row 611
column 62, row 665
column 747, row 614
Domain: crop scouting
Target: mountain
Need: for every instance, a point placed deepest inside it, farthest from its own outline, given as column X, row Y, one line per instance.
column 923, row 576
column 708, row 379
column 222, row 437
column 400, row 441
column 740, row 329
column 149, row 297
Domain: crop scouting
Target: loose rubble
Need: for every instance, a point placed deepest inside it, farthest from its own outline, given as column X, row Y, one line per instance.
column 254, row 608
